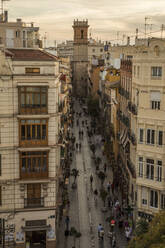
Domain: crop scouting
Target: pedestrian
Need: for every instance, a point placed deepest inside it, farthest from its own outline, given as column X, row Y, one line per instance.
column 86, row 122
column 102, row 233
column 99, row 229
column 79, row 146
column 82, row 123
column 76, row 146
column 108, row 187
column 105, row 167
column 67, row 220
column 91, row 179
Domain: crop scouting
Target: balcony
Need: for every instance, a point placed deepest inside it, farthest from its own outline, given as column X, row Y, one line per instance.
column 33, row 202
column 35, row 173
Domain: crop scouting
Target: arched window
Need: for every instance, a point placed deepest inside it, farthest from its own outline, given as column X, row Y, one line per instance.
column 82, row 34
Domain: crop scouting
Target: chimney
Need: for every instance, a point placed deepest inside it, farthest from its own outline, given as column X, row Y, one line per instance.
column 128, row 41
column 19, row 20
column 5, row 16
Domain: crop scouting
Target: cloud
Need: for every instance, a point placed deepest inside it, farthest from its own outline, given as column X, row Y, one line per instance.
column 106, row 17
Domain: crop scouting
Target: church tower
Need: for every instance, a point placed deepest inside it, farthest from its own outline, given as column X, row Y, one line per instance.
column 80, row 58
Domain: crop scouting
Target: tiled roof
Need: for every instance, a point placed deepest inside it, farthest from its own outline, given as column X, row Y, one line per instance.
column 30, row 55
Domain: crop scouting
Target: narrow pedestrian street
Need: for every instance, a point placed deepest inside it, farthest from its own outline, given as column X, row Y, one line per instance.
column 85, row 214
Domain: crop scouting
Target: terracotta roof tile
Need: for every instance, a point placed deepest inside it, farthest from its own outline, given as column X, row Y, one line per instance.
column 30, row 54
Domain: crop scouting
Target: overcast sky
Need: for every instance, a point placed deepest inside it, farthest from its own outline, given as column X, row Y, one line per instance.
column 106, row 17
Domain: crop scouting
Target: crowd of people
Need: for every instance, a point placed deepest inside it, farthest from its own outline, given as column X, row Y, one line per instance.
column 118, row 218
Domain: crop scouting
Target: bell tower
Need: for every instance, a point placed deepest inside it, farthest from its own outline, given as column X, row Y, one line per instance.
column 80, row 58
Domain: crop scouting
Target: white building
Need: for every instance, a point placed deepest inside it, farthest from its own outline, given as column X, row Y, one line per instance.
column 148, row 123
column 29, row 151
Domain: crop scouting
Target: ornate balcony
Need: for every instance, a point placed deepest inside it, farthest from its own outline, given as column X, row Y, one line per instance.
column 33, row 202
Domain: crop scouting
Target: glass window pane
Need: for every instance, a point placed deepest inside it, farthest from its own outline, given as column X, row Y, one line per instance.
column 29, row 164
column 22, row 132
column 43, row 132
column 38, row 132
column 28, row 132
column 37, row 100
column 23, row 164
column 22, row 100
column 33, row 164
column 43, row 100
column 33, row 132
column 44, row 164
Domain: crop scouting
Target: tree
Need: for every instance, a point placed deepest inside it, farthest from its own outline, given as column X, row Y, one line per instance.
column 154, row 236
column 141, row 227
column 75, row 234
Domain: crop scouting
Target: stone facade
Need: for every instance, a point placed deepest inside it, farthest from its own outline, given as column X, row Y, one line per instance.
column 148, row 97
column 80, row 58
column 16, row 208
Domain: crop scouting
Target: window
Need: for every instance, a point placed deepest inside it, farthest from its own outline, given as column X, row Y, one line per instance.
column 150, row 169
column 141, row 134
column 33, row 130
column 159, row 170
column 160, row 138
column 162, row 201
column 155, row 104
column 82, row 34
column 150, row 136
column 154, row 199
column 140, row 166
column 144, row 196
column 32, row 70
column 33, row 163
column 156, row 71
column 33, row 100
column 138, row 71
column 17, row 34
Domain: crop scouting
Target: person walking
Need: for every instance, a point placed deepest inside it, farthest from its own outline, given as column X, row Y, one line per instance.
column 67, row 220
column 105, row 167
column 91, row 179
column 99, row 229
column 102, row 233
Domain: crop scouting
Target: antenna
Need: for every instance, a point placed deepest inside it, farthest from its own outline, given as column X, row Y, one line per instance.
column 147, row 24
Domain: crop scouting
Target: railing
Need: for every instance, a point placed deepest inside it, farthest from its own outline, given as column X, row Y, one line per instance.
column 33, row 202
column 35, row 173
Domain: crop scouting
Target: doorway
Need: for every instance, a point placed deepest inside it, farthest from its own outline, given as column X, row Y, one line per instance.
column 36, row 239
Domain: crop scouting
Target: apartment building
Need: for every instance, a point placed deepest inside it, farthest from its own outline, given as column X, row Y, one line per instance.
column 18, row 34
column 149, row 124
column 29, row 151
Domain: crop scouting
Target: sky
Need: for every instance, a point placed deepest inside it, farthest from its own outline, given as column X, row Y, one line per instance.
column 108, row 19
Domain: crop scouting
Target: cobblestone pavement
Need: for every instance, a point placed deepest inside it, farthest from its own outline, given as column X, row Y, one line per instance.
column 84, row 214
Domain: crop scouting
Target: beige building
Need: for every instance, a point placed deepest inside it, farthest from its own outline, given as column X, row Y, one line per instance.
column 149, row 125
column 29, row 151
column 18, row 34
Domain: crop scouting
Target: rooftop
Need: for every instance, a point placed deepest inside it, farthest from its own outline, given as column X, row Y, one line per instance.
column 30, row 55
